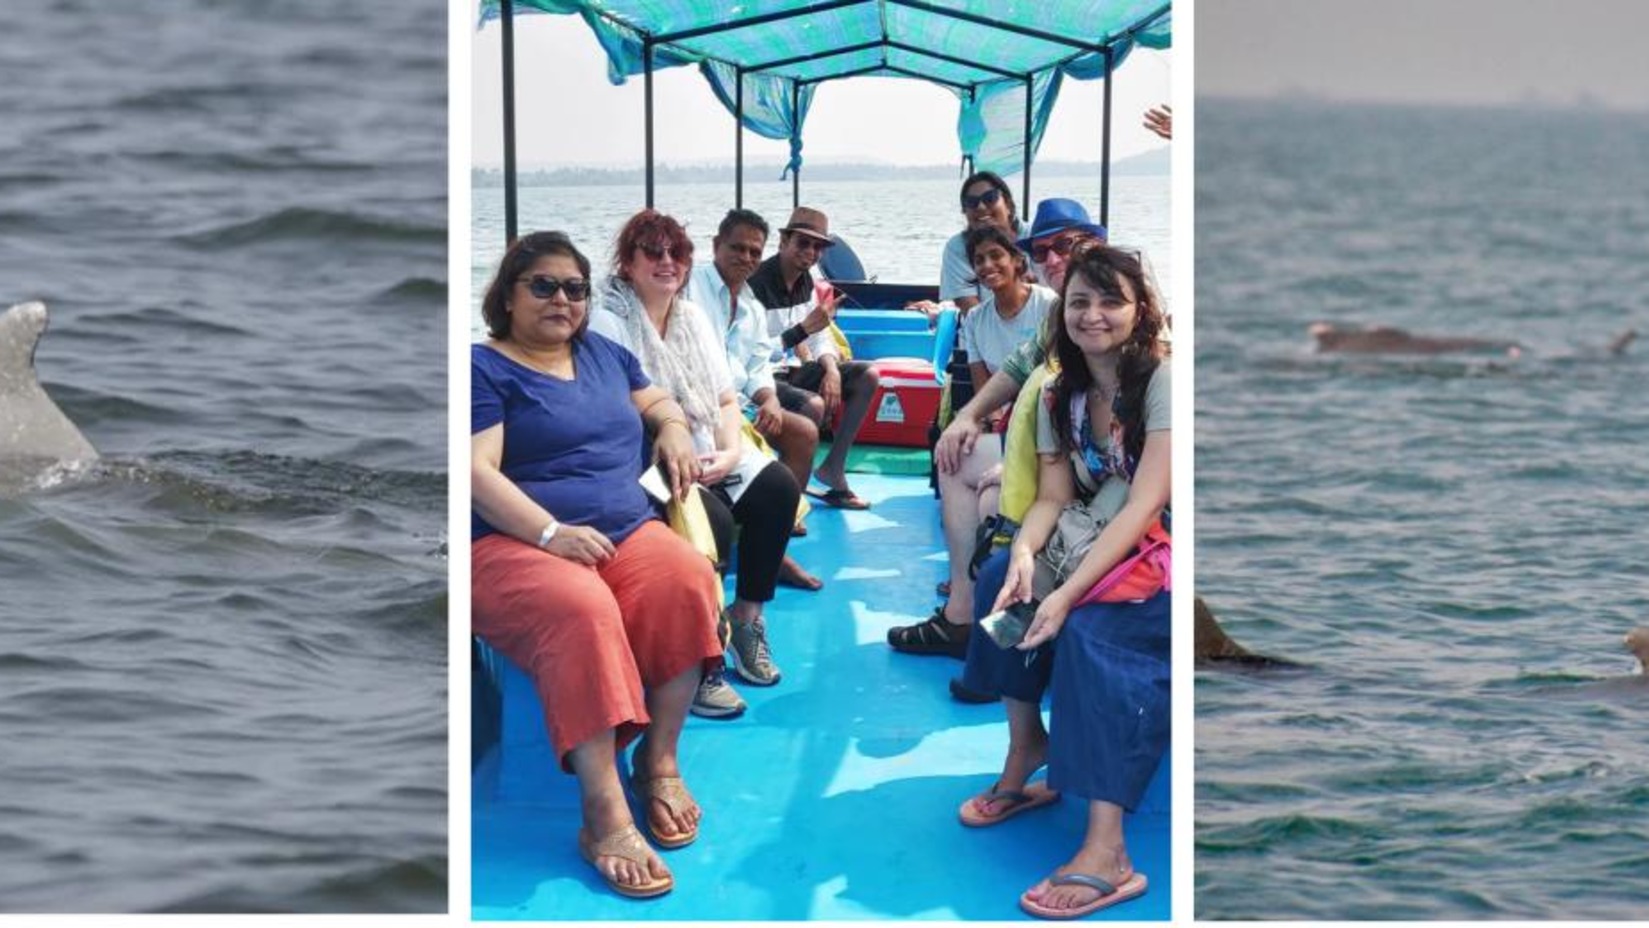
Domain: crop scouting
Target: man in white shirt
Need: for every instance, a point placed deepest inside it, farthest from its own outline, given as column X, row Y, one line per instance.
column 721, row 291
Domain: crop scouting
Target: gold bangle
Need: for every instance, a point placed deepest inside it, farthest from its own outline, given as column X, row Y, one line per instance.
column 666, row 421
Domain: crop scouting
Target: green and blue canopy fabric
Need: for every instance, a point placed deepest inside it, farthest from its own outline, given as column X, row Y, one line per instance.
column 982, row 50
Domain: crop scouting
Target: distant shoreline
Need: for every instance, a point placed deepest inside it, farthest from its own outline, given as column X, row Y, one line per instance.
column 1151, row 163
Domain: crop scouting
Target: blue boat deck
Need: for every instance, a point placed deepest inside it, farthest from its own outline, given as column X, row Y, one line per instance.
column 835, row 796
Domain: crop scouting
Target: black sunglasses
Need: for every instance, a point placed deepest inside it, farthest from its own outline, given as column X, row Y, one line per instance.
column 1062, row 247
column 988, row 198
column 809, row 243
column 656, row 252
column 545, row 288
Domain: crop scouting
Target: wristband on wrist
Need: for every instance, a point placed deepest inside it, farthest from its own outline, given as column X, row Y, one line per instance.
column 666, row 421
column 548, row 533
column 794, row 335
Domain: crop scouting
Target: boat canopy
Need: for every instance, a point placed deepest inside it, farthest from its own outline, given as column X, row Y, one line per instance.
column 765, row 58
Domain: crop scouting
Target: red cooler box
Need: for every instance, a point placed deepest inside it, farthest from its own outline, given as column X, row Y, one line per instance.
column 904, row 406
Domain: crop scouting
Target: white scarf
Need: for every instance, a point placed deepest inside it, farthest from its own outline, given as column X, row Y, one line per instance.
column 675, row 362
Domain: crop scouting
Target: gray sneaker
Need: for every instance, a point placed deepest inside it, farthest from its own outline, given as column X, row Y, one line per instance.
column 751, row 659
column 716, row 698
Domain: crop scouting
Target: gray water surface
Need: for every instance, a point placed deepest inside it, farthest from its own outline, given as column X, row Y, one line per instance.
column 222, row 647
column 1456, row 544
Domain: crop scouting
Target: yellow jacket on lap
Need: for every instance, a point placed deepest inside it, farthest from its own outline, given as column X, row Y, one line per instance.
column 1019, row 455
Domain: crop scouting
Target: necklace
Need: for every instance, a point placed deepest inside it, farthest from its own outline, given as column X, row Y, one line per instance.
column 560, row 365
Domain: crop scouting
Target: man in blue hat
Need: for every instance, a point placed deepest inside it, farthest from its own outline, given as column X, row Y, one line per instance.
column 1060, row 225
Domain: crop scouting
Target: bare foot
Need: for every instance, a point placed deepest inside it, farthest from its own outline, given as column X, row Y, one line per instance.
column 793, row 574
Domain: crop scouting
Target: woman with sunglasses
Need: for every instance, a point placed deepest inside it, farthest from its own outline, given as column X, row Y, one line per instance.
column 642, row 309
column 1103, row 434
column 573, row 576
column 1014, row 311
column 986, row 202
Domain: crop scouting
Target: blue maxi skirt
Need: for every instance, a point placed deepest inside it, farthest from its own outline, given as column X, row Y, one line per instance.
column 1109, row 675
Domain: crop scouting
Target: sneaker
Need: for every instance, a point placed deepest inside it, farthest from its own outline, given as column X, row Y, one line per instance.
column 751, row 658
column 716, row 698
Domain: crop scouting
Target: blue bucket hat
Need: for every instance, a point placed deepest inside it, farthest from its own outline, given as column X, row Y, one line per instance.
column 1056, row 214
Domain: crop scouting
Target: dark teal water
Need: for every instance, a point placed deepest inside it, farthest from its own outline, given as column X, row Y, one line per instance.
column 1456, row 544
column 223, row 648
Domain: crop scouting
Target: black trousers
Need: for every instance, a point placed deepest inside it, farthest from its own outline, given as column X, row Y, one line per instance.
column 763, row 517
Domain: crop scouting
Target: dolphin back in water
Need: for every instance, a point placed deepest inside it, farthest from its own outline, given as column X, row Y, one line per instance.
column 1214, row 648
column 1381, row 339
column 32, row 428
column 1388, row 340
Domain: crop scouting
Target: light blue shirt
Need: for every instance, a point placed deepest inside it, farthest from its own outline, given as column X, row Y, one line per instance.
column 748, row 346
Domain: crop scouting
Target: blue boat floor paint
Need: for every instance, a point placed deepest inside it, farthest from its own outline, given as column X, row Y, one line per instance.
column 835, row 795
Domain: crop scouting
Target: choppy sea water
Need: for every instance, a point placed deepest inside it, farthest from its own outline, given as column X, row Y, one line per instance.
column 897, row 228
column 1454, row 544
column 222, row 647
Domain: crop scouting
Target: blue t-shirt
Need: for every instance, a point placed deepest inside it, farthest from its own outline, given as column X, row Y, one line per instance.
column 574, row 446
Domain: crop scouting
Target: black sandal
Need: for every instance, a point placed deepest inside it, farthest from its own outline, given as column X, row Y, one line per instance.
column 933, row 635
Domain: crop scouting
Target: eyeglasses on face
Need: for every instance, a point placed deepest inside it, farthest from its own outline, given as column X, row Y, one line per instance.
column 809, row 243
column 988, row 198
column 656, row 251
column 544, row 287
column 1059, row 246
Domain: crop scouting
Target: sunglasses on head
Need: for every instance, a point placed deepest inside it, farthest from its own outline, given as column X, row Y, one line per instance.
column 545, row 288
column 988, row 198
column 656, row 252
column 1062, row 247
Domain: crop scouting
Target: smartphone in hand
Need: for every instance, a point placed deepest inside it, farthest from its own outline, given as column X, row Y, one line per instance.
column 1007, row 627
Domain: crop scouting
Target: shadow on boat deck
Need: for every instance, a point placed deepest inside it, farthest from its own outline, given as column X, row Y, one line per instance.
column 835, row 795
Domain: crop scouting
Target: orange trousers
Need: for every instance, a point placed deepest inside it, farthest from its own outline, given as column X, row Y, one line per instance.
column 593, row 639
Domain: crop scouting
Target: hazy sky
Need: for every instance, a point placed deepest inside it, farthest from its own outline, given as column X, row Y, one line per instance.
column 567, row 112
column 1444, row 51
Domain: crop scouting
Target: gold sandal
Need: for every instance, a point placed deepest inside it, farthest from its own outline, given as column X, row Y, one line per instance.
column 673, row 793
column 625, row 844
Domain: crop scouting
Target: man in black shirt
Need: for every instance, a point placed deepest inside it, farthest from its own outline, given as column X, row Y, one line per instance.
column 823, row 383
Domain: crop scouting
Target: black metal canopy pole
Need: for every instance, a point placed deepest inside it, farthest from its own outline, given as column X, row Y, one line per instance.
column 738, row 137
column 506, row 17
column 1025, row 200
column 647, row 66
column 795, row 126
column 1105, row 147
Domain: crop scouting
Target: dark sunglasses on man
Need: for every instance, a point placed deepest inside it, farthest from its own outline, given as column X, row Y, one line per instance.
column 1059, row 246
column 545, row 288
